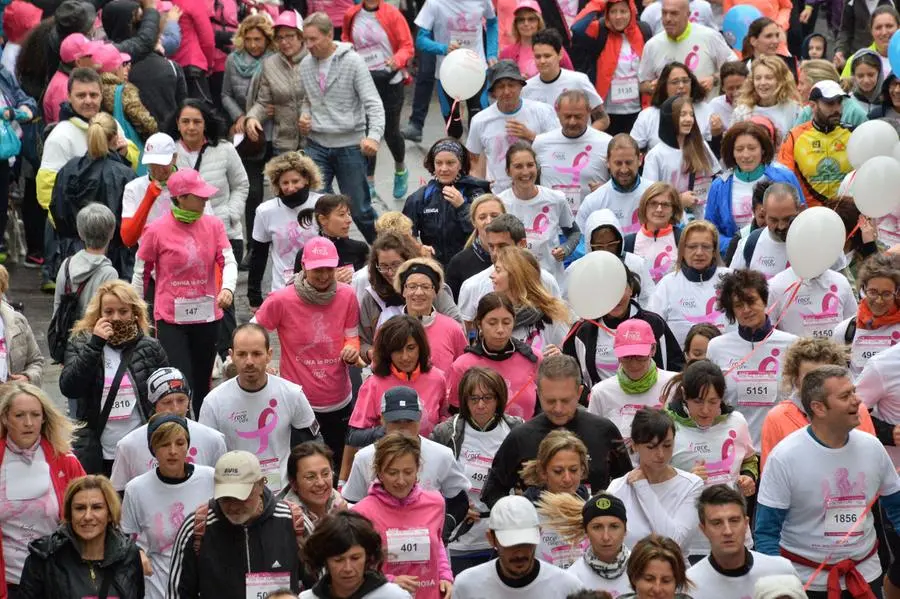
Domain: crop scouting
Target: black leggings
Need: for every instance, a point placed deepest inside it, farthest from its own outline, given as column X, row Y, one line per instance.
column 392, row 98
column 333, row 426
column 191, row 348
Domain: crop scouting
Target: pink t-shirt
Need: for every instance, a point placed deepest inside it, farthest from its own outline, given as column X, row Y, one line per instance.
column 431, row 387
column 518, row 371
column 446, row 340
column 312, row 338
column 57, row 92
column 335, row 9
column 186, row 258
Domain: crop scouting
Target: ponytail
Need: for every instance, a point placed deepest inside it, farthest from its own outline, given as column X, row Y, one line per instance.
column 101, row 131
column 562, row 512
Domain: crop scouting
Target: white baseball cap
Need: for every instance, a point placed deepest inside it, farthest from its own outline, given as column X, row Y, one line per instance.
column 514, row 521
column 159, row 149
column 236, row 473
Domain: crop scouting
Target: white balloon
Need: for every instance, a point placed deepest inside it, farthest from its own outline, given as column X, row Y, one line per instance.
column 896, row 152
column 876, row 186
column 596, row 284
column 815, row 241
column 462, row 74
column 871, row 139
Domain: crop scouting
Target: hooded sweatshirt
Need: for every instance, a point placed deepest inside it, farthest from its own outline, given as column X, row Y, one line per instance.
column 886, row 110
column 804, row 48
column 94, row 269
column 872, row 99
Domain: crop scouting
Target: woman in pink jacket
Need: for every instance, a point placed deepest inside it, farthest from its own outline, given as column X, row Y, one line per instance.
column 409, row 519
column 197, row 53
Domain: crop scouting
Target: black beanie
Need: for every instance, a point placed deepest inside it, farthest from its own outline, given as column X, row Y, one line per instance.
column 603, row 504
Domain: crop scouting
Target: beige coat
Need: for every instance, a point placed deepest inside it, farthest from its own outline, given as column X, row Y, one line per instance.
column 23, row 354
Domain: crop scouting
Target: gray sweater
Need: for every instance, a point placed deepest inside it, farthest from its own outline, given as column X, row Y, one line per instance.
column 279, row 86
column 349, row 103
column 93, row 268
column 221, row 167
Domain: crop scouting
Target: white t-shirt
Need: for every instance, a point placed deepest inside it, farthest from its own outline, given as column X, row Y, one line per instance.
column 153, row 511
column 866, row 344
column 125, row 415
column 821, row 303
column 260, row 421
column 782, row 116
column 668, row 508
column 660, row 252
column 754, row 386
column 825, row 491
column 645, row 130
column 720, row 106
column 624, row 206
column 703, row 51
column 683, row 303
column 479, row 285
column 701, row 12
column 458, row 21
column 610, row 401
column 28, row 508
column 544, row 216
column 371, row 42
column 133, row 456
column 742, row 200
column 553, row 549
column 439, row 471
column 624, row 95
column 769, row 255
column 878, row 386
column 594, row 582
column 548, row 91
column 489, row 139
column 570, row 164
column 388, row 590
column 483, row 582
column 710, row 584
column 277, row 224
column 665, row 163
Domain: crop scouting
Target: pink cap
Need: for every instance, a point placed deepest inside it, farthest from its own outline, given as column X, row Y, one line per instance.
column 289, row 18
column 529, row 4
column 318, row 252
column 188, row 181
column 77, row 46
column 634, row 337
column 109, row 58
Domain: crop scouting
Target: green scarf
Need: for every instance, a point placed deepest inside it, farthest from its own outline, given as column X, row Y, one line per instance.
column 185, row 216
column 642, row 385
column 750, row 176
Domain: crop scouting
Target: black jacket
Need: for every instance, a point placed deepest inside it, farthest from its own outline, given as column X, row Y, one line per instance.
column 54, row 568
column 608, row 458
column 463, row 265
column 117, row 23
column 160, row 84
column 436, row 222
column 83, row 371
column 228, row 552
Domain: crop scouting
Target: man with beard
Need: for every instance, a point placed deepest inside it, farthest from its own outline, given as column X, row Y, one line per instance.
column 817, row 150
column 765, row 249
column 242, row 543
column 514, row 532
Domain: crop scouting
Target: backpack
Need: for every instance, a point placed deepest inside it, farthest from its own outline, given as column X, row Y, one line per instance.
column 64, row 318
column 297, row 519
column 750, row 245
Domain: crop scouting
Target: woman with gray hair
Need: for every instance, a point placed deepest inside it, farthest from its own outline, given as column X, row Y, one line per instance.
column 89, row 267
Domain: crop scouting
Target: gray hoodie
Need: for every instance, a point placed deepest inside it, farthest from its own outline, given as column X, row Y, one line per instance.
column 93, row 268
column 350, row 102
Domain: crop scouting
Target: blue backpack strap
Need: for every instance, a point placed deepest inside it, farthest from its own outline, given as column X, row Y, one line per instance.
column 750, row 245
column 628, row 244
column 130, row 132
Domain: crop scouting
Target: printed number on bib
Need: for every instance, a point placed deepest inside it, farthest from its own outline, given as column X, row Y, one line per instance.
column 843, row 514
column 866, row 347
column 820, row 326
column 408, row 545
column 477, row 468
column 755, row 389
column 466, row 38
column 195, row 309
column 260, row 584
column 573, row 195
column 123, row 403
column 271, row 469
column 373, row 56
column 622, row 91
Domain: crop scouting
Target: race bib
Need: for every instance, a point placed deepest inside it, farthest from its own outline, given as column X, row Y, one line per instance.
column 756, row 389
column 27, row 481
column 195, row 309
column 841, row 515
column 405, row 546
column 701, row 189
column 537, row 243
column 373, row 57
column 467, row 38
column 123, row 402
column 564, row 556
column 866, row 347
column 477, row 468
column 573, row 195
column 271, row 469
column 820, row 326
column 260, row 584
column 624, row 91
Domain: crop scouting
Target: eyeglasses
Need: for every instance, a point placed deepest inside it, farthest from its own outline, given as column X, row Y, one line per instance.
column 885, row 296
column 287, row 37
column 664, row 205
column 312, row 477
column 413, row 287
column 386, row 268
column 699, row 247
column 481, row 398
column 685, row 81
column 605, row 246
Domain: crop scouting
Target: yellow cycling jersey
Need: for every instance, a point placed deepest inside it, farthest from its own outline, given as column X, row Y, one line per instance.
column 821, row 160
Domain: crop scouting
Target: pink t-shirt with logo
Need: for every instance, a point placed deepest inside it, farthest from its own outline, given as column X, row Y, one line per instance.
column 431, row 387
column 186, row 258
column 518, row 371
column 446, row 340
column 312, row 337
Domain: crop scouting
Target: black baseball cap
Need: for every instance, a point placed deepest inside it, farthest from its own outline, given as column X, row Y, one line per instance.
column 401, row 403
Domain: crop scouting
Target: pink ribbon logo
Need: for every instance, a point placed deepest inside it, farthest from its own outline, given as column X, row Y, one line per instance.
column 582, row 160
column 265, row 427
column 711, row 316
column 541, row 221
column 662, row 264
column 769, row 365
column 692, row 60
column 728, row 455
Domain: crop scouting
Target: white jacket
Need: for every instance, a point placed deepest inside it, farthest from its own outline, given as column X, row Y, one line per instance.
column 221, row 167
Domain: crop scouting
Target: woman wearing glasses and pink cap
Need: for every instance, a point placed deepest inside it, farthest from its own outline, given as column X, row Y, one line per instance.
column 317, row 321
column 195, row 274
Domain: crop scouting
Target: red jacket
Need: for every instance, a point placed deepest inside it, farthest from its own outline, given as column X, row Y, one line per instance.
column 63, row 470
column 394, row 24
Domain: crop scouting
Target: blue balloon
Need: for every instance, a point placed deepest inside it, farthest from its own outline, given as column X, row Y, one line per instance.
column 737, row 22
column 894, row 52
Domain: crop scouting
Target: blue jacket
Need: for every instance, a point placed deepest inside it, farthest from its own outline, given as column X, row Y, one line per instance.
column 14, row 93
column 718, row 201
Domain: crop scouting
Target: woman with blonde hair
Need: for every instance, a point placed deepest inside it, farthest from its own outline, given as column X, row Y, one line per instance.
column 542, row 321
column 474, row 257
column 687, row 296
column 659, row 212
column 98, row 176
column 37, row 465
column 683, row 158
column 88, row 555
column 292, row 176
column 108, row 360
column 769, row 91
column 20, row 356
column 559, row 467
